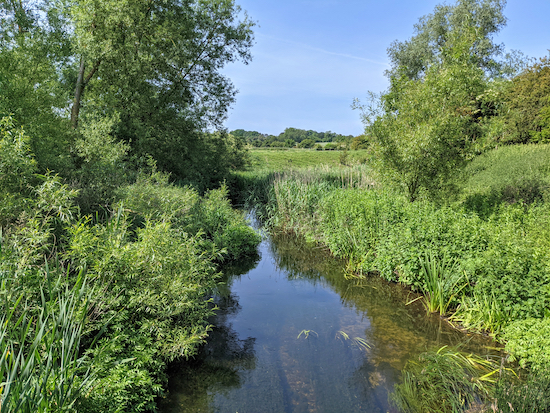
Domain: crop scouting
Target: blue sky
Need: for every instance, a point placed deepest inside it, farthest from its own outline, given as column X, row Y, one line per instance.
column 313, row 57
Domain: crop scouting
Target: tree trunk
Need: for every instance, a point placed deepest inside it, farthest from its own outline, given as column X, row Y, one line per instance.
column 78, row 94
column 81, row 83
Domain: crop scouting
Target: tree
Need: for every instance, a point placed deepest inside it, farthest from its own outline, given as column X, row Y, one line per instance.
column 306, row 143
column 527, row 108
column 427, row 125
column 413, row 57
column 155, row 65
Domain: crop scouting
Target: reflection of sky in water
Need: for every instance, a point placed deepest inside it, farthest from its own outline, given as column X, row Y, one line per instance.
column 293, row 335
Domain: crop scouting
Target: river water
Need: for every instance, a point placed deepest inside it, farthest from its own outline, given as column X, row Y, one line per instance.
column 293, row 335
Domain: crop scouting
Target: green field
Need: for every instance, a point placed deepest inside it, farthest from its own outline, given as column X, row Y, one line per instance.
column 284, row 159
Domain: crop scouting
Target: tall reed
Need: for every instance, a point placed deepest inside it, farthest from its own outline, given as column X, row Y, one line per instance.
column 440, row 282
column 41, row 369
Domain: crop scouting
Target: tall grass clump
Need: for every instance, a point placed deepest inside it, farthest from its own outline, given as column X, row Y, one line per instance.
column 42, row 368
column 445, row 380
column 529, row 394
column 441, row 283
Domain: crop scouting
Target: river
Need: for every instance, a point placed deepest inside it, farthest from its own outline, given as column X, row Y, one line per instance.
column 293, row 335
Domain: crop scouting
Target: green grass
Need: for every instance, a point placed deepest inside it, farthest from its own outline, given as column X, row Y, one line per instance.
column 284, row 159
column 509, row 174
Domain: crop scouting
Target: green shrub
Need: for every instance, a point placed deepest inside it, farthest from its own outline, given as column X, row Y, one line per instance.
column 102, row 163
column 221, row 226
column 17, row 168
column 528, row 342
column 152, row 286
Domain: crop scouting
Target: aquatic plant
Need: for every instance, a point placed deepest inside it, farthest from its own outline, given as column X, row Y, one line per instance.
column 445, row 380
column 481, row 312
column 358, row 342
column 306, row 333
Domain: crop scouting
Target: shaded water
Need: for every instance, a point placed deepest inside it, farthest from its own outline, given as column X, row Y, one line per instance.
column 293, row 335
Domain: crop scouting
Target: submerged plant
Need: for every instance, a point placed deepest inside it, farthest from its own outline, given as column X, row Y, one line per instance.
column 358, row 342
column 306, row 333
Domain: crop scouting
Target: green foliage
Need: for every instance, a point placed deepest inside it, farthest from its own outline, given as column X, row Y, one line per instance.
column 442, row 98
column 480, row 312
column 205, row 160
column 528, row 341
column 102, row 164
column 289, row 138
column 151, row 289
column 428, row 127
column 526, row 112
column 285, row 159
column 360, row 142
column 445, row 380
column 155, row 68
column 17, row 166
column 531, row 395
column 413, row 57
column 306, row 143
column 211, row 217
column 509, row 174
column 41, row 368
column 441, row 283
column 32, row 88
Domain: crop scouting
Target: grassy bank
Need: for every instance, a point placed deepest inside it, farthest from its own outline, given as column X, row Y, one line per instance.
column 481, row 256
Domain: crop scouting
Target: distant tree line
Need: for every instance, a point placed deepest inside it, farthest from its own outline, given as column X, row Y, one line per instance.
column 290, row 138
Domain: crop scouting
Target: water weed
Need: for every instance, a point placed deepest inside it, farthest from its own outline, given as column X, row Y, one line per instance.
column 445, row 380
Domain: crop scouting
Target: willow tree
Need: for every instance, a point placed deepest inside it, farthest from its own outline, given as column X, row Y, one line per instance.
column 442, row 92
column 155, row 65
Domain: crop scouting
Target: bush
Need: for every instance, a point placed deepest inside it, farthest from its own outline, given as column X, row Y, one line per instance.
column 151, row 289
column 211, row 217
column 528, row 341
column 17, row 168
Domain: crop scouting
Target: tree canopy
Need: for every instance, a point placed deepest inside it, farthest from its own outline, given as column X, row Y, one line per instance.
column 441, row 98
column 527, row 108
column 154, row 66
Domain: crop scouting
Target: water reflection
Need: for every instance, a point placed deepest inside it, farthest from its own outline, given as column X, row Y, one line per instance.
column 293, row 335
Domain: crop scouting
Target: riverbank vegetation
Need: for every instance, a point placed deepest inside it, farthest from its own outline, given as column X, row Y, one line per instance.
column 114, row 222
column 480, row 258
column 447, row 203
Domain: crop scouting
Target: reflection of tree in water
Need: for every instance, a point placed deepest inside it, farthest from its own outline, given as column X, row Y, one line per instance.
column 217, row 367
column 234, row 271
column 300, row 260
